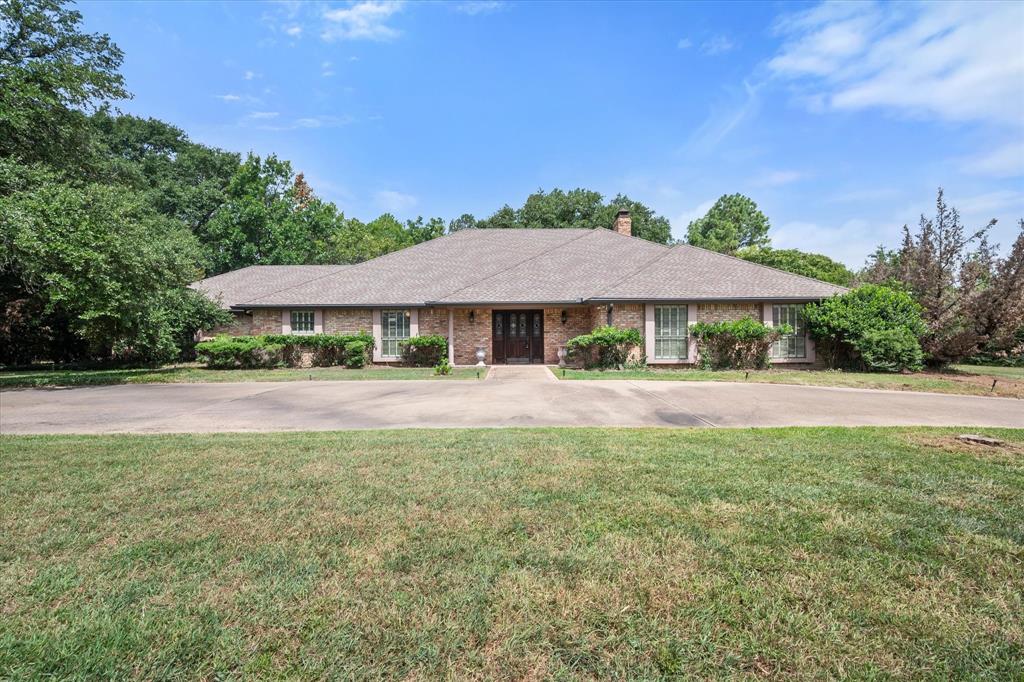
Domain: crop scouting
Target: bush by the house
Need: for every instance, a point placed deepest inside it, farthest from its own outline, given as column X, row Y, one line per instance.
column 872, row 327
column 274, row 350
column 443, row 367
column 736, row 344
column 424, row 351
column 355, row 354
column 605, row 347
column 239, row 352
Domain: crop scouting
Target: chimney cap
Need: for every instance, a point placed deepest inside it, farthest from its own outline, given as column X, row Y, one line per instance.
column 622, row 212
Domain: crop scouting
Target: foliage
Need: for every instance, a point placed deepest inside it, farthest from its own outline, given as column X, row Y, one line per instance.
column 969, row 297
column 356, row 352
column 578, row 208
column 239, row 352
column 890, row 350
column 424, row 351
column 845, row 325
column 443, row 367
column 51, row 74
column 606, row 347
column 814, row 265
column 735, row 344
column 733, row 222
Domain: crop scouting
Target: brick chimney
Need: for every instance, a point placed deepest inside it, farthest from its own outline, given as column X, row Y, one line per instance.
column 623, row 223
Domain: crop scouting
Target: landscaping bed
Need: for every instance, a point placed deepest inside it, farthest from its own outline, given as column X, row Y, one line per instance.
column 561, row 553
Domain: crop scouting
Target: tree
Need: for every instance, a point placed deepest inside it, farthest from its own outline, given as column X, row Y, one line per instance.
column 872, row 327
column 578, row 208
column 813, row 265
column 999, row 308
column 466, row 221
column 732, row 223
column 947, row 269
column 50, row 75
column 101, row 259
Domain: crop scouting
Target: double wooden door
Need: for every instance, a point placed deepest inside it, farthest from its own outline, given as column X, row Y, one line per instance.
column 518, row 336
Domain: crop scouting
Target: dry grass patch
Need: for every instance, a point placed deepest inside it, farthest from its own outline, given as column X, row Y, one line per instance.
column 528, row 554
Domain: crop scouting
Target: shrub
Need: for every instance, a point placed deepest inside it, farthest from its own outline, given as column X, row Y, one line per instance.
column 240, row 352
column 443, row 368
column 355, row 354
column 424, row 351
column 736, row 344
column 605, row 347
column 846, row 325
column 890, row 350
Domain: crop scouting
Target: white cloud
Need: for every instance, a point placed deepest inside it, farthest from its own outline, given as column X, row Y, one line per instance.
column 294, row 31
column 262, row 115
column 1006, row 160
column 365, row 20
column 684, row 219
column 716, row 45
column 952, row 61
column 849, row 242
column 229, row 98
column 474, row 7
column 395, row 202
column 250, row 75
column 723, row 119
column 684, row 44
column 778, row 178
column 326, row 69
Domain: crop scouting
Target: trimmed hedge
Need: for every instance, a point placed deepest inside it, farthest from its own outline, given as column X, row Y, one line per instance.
column 605, row 347
column 424, row 351
column 736, row 344
column 283, row 350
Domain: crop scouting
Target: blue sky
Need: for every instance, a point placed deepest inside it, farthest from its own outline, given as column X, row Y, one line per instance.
column 840, row 120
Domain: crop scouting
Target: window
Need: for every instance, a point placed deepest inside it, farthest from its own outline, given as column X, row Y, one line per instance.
column 670, row 342
column 791, row 345
column 394, row 327
column 302, row 322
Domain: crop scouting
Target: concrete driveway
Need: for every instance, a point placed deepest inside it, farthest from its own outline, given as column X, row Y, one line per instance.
column 514, row 398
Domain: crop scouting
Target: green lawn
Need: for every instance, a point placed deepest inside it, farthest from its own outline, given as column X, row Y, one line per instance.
column 948, row 382
column 548, row 553
column 197, row 374
column 1016, row 373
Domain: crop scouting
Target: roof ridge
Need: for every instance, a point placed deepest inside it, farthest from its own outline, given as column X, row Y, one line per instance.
column 761, row 265
column 586, row 233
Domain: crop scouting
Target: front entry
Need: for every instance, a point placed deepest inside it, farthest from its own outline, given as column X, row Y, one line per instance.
column 518, row 336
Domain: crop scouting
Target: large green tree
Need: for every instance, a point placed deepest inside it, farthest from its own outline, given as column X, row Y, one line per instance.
column 579, row 208
column 813, row 265
column 734, row 222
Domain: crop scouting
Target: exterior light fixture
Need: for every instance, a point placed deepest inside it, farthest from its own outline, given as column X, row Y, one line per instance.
column 472, row 315
column 565, row 316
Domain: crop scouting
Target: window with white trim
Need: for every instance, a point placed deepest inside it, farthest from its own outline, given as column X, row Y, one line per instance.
column 670, row 330
column 394, row 327
column 303, row 322
column 790, row 345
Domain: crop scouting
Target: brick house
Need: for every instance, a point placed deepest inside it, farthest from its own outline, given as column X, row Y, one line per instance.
column 522, row 294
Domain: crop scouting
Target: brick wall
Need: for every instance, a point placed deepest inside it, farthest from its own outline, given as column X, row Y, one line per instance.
column 578, row 321
column 470, row 335
column 725, row 312
column 433, row 321
column 347, row 320
column 266, row 321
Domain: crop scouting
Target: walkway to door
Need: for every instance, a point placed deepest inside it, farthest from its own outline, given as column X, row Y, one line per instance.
column 520, row 373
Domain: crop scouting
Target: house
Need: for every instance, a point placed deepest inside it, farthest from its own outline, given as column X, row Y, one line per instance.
column 521, row 294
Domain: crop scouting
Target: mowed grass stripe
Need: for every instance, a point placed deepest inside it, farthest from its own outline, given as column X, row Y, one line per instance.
column 564, row 553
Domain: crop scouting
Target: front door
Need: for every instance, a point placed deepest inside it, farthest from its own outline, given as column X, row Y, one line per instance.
column 518, row 336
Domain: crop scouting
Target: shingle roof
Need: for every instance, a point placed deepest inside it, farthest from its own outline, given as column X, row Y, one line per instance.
column 238, row 286
column 517, row 266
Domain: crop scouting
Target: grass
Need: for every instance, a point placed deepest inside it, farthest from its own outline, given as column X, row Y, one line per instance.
column 548, row 553
column 197, row 374
column 959, row 382
column 1016, row 373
